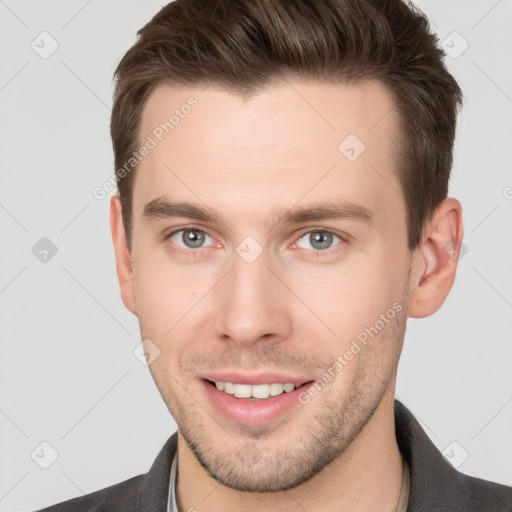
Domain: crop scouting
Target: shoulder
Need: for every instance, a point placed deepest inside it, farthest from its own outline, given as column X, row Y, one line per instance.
column 485, row 493
column 148, row 491
column 436, row 486
column 121, row 496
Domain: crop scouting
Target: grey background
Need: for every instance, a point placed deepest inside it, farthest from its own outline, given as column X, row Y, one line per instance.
column 68, row 373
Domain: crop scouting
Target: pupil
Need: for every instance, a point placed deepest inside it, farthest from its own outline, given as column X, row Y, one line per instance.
column 321, row 240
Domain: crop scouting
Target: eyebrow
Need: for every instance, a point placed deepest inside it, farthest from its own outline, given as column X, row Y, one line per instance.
column 161, row 208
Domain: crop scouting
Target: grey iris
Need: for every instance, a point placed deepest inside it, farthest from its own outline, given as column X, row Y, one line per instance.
column 193, row 238
column 320, row 239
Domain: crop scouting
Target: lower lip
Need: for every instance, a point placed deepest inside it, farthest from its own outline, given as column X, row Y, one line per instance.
column 252, row 412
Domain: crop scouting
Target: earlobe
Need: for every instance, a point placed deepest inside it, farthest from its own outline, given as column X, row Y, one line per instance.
column 435, row 261
column 122, row 253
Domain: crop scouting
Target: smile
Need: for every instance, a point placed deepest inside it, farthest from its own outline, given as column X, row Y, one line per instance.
column 255, row 391
column 253, row 404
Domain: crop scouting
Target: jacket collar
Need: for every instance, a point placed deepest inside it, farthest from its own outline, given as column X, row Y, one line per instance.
column 152, row 496
column 435, row 484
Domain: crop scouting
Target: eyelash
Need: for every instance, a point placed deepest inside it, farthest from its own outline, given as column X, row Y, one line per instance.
column 313, row 253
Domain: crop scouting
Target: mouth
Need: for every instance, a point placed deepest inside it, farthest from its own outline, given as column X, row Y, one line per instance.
column 253, row 404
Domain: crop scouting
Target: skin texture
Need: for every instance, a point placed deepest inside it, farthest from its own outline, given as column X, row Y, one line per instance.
column 295, row 309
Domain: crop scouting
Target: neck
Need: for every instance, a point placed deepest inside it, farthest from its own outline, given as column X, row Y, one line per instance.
column 367, row 476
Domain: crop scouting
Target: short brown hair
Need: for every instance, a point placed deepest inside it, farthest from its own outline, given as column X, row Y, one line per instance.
column 245, row 45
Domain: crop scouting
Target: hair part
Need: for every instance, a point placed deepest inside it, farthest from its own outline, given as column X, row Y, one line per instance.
column 248, row 45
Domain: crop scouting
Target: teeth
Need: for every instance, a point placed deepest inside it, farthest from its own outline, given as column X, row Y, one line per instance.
column 276, row 389
column 260, row 391
column 229, row 388
column 243, row 390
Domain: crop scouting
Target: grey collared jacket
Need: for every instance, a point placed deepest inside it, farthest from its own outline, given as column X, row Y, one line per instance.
column 435, row 485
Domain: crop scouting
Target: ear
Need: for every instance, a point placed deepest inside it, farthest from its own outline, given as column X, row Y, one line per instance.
column 123, row 257
column 435, row 261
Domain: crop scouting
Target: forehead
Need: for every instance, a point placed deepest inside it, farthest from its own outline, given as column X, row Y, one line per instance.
column 280, row 141
column 298, row 108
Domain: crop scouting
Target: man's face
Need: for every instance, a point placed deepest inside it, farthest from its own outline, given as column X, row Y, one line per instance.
column 258, row 296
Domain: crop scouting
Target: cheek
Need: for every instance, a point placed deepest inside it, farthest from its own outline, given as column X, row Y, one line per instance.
column 349, row 298
column 171, row 301
column 165, row 292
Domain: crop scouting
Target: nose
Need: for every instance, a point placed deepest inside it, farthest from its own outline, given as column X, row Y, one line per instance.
column 252, row 306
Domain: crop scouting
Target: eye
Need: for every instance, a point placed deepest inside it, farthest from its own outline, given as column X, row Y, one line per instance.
column 319, row 240
column 189, row 238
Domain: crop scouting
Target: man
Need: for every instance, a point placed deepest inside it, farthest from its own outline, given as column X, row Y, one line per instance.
column 283, row 208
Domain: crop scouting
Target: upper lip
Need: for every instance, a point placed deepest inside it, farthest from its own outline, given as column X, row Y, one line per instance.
column 237, row 377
